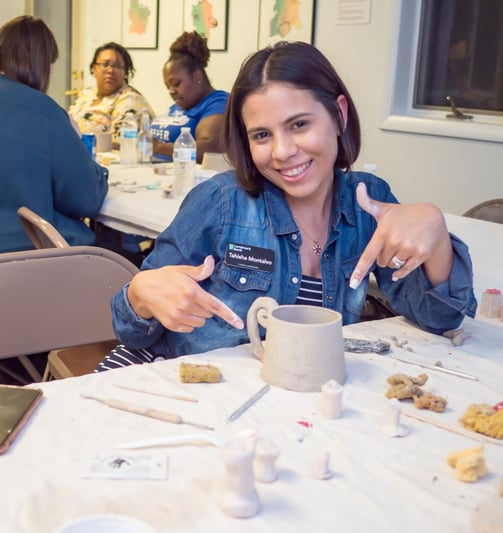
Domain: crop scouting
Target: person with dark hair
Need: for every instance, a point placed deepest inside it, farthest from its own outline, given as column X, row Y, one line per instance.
column 45, row 165
column 197, row 104
column 292, row 222
column 102, row 109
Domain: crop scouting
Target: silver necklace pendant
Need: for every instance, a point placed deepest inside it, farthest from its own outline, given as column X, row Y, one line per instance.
column 316, row 248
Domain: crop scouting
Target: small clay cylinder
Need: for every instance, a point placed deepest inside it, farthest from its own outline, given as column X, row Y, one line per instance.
column 331, row 400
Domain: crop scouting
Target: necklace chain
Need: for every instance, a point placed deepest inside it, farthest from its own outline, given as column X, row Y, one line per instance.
column 316, row 242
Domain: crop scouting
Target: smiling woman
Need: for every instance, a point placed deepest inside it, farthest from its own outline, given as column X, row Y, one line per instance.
column 102, row 109
column 292, row 222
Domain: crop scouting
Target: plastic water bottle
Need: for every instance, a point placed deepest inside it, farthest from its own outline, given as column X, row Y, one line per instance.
column 144, row 147
column 184, row 158
column 129, row 135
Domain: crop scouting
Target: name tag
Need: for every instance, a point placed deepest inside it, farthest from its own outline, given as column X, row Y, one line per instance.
column 252, row 257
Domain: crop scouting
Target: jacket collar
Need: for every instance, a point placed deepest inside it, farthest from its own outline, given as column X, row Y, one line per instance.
column 344, row 203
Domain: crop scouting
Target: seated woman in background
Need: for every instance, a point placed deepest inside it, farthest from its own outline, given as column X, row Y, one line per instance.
column 103, row 108
column 197, row 104
column 45, row 165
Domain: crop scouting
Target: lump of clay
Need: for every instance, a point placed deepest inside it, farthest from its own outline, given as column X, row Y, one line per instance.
column 483, row 418
column 193, row 373
column 404, row 386
column 469, row 464
column 431, row 402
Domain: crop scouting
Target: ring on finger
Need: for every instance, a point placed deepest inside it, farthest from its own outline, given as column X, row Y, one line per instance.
column 397, row 263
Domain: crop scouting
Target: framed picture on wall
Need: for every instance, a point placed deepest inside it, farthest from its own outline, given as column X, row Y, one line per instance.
column 286, row 20
column 208, row 18
column 140, row 24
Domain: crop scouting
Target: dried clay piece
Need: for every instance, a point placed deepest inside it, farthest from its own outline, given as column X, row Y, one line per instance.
column 238, row 497
column 331, row 400
column 469, row 464
column 390, row 425
column 457, row 336
column 404, row 386
column 484, row 419
column 320, row 467
column 193, row 373
column 266, row 453
column 431, row 402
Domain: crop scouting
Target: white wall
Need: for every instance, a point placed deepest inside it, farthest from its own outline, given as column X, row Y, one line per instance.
column 10, row 9
column 452, row 173
column 222, row 69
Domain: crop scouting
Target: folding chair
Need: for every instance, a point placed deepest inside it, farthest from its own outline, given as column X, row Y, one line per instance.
column 59, row 298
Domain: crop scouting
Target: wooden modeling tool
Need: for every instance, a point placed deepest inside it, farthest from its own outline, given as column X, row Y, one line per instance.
column 145, row 411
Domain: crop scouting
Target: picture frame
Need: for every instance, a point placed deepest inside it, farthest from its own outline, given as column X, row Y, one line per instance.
column 140, row 24
column 209, row 18
column 294, row 23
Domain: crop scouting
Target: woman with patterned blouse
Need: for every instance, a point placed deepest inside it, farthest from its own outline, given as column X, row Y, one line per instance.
column 103, row 108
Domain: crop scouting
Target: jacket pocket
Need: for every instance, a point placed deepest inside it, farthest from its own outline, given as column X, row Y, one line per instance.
column 242, row 279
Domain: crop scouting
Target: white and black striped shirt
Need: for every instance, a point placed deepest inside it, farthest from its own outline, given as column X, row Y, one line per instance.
column 311, row 291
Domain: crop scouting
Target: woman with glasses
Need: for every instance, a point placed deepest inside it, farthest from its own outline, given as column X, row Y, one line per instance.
column 103, row 108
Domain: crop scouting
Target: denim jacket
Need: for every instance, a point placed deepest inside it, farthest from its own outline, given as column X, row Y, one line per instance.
column 218, row 214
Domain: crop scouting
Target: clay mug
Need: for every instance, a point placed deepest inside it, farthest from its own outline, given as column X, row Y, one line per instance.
column 303, row 348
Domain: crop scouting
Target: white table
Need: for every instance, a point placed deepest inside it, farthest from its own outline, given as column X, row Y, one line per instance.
column 136, row 202
column 381, row 484
column 485, row 241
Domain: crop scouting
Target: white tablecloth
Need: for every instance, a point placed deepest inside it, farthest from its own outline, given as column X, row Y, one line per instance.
column 136, row 202
column 381, row 484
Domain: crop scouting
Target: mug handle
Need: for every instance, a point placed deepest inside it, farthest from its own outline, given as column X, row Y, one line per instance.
column 258, row 313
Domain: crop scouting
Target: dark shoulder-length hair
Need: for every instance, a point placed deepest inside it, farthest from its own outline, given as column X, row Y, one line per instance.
column 129, row 69
column 27, row 51
column 302, row 66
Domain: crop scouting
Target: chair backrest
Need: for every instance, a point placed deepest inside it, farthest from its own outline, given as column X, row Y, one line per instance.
column 58, row 297
column 490, row 210
column 41, row 233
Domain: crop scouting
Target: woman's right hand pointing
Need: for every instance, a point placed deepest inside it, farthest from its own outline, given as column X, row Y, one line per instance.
column 173, row 296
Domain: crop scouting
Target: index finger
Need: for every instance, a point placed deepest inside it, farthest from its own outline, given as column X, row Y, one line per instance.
column 217, row 307
column 367, row 259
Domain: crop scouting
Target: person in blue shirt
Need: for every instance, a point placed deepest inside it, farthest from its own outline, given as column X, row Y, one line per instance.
column 45, row 165
column 197, row 104
column 292, row 222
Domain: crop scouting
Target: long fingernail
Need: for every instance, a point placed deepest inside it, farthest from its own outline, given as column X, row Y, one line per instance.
column 238, row 323
column 354, row 283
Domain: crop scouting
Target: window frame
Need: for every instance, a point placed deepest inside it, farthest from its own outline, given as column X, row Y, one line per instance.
column 398, row 113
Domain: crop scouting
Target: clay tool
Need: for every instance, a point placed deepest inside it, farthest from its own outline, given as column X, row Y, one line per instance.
column 154, row 393
column 246, row 405
column 175, row 440
column 193, row 439
column 439, row 368
column 455, row 429
column 145, row 411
